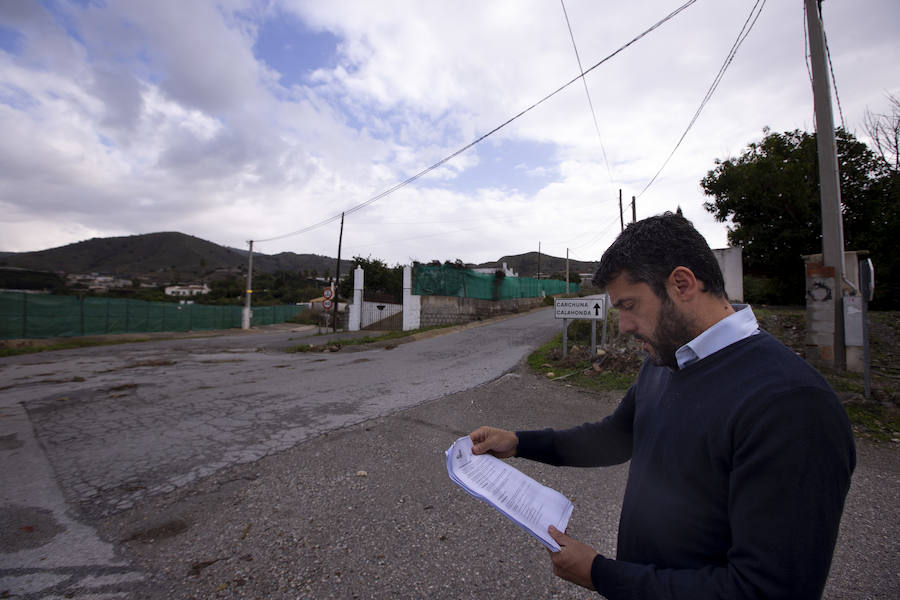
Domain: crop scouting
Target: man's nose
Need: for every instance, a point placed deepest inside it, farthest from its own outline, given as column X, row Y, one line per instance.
column 626, row 324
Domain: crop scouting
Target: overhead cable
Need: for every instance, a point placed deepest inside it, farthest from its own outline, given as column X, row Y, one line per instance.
column 444, row 160
column 830, row 65
column 833, row 80
column 587, row 93
column 742, row 35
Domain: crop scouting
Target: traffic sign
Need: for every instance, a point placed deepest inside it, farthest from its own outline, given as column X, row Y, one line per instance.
column 328, row 293
column 581, row 308
column 326, row 304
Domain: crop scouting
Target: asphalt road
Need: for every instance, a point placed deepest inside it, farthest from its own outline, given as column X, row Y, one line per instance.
column 222, row 468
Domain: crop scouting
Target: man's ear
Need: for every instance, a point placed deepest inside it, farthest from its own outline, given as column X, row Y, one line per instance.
column 683, row 284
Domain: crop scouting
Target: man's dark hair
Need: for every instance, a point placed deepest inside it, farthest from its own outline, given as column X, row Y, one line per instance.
column 649, row 250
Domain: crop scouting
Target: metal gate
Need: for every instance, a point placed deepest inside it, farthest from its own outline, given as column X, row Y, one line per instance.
column 381, row 316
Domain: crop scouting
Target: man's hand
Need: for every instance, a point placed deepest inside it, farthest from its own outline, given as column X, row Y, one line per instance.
column 573, row 561
column 498, row 442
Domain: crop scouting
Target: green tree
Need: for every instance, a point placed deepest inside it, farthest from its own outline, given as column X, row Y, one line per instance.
column 769, row 195
column 379, row 278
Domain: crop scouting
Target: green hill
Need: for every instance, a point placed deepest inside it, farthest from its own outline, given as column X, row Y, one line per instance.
column 164, row 257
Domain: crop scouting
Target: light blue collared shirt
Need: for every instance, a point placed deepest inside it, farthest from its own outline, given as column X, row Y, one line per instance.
column 733, row 328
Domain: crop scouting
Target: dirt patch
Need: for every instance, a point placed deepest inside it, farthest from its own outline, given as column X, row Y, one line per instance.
column 161, row 531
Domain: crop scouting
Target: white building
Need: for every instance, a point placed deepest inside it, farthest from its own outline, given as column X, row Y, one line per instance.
column 187, row 290
column 491, row 270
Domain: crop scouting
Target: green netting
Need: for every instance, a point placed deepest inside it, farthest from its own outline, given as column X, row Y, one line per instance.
column 446, row 280
column 42, row 316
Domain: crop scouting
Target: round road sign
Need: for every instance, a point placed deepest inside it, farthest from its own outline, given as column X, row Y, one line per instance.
column 328, row 293
column 326, row 304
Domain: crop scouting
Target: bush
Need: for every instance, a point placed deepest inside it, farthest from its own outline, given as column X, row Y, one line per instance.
column 762, row 290
column 308, row 317
column 579, row 332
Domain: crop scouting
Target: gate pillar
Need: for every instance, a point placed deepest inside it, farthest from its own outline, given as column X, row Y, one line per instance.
column 356, row 307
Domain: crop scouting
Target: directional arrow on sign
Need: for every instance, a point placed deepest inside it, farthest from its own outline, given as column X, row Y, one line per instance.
column 597, row 309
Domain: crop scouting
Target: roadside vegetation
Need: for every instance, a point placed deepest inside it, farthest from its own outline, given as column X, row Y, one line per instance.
column 383, row 338
column 16, row 347
column 616, row 366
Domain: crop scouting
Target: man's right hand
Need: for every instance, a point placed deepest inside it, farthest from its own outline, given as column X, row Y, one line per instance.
column 498, row 442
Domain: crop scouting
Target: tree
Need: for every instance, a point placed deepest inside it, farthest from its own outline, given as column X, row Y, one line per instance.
column 884, row 131
column 770, row 196
column 379, row 278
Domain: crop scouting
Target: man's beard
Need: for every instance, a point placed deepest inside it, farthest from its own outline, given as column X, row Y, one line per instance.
column 672, row 332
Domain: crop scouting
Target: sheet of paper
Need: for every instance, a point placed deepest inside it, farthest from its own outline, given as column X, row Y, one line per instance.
column 527, row 503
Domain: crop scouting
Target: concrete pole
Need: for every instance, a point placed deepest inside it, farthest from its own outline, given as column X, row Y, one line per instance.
column 829, row 182
column 245, row 316
column 567, row 273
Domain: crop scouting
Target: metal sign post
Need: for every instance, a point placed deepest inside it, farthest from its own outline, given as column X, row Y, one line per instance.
column 594, row 308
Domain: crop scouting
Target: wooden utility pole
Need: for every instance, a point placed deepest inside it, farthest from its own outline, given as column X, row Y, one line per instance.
column 621, row 216
column 539, row 261
column 633, row 209
column 245, row 318
column 337, row 277
column 829, row 182
column 567, row 270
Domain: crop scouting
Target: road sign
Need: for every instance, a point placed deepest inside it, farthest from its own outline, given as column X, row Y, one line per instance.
column 580, row 308
column 328, row 294
column 326, row 304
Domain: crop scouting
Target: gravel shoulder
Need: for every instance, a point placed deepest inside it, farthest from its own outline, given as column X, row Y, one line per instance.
column 369, row 512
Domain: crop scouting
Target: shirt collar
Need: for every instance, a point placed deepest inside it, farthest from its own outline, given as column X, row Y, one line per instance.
column 733, row 328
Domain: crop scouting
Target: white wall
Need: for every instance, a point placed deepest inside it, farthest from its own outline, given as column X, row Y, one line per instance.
column 730, row 261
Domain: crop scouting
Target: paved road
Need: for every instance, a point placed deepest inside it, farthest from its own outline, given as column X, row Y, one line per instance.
column 361, row 511
column 118, row 424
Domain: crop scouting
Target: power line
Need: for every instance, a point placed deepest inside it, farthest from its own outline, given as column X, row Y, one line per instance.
column 833, row 80
column 587, row 93
column 742, row 35
column 444, row 160
column 837, row 97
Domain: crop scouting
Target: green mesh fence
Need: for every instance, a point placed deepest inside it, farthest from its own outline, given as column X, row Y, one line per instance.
column 446, row 280
column 43, row 316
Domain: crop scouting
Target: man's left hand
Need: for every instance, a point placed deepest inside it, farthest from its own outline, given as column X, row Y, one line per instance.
column 573, row 561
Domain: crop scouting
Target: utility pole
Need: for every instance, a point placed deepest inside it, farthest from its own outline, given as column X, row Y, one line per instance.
column 245, row 317
column 829, row 182
column 621, row 216
column 633, row 209
column 337, row 278
column 567, row 270
column 539, row 261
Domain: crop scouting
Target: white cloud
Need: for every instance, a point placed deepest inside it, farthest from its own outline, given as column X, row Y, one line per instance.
column 131, row 117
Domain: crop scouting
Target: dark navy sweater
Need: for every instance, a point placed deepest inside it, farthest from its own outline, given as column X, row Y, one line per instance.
column 740, row 464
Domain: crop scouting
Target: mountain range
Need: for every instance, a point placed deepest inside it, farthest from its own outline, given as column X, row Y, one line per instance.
column 170, row 257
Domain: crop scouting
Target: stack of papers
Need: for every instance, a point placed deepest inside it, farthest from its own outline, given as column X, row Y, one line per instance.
column 524, row 501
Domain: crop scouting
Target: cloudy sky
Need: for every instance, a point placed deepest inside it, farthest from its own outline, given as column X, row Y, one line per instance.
column 234, row 120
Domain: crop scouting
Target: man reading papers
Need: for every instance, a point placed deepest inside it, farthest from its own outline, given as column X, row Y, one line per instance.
column 741, row 455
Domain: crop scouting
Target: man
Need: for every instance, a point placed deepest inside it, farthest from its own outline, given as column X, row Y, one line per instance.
column 741, row 455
